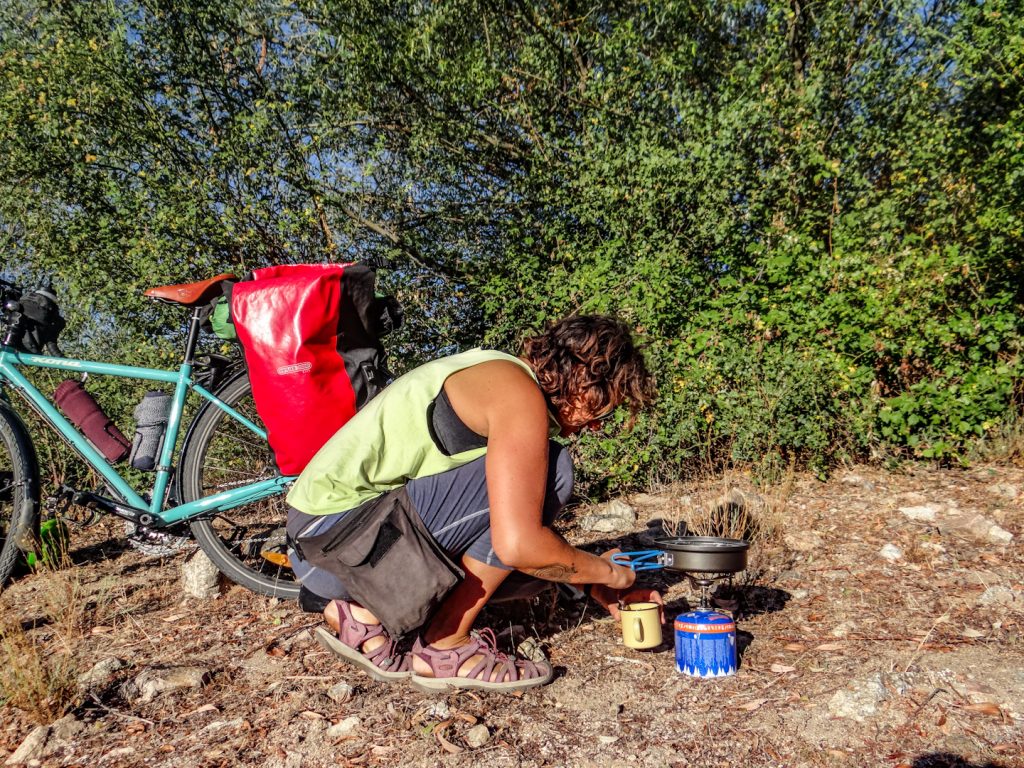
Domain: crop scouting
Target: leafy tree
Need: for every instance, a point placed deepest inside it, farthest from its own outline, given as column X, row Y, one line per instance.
column 809, row 211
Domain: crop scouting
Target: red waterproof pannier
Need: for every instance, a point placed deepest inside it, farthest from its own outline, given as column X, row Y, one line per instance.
column 311, row 336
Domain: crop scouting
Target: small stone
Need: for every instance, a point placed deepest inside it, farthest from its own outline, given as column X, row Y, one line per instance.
column 344, row 728
column 843, row 629
column 100, row 672
column 153, row 682
column 649, row 500
column 530, row 649
column 341, row 692
column 200, row 577
column 120, row 752
column 980, row 527
column 860, row 700
column 607, row 740
column 477, row 736
column 803, row 541
column 220, row 725
column 799, row 594
column 32, row 748
column 857, row 480
column 925, row 513
column 438, row 710
column 614, row 516
column 890, row 552
column 1002, row 596
column 1006, row 490
column 66, row 729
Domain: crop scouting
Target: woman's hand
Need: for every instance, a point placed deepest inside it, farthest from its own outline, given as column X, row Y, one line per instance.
column 610, row 599
column 610, row 595
column 621, row 577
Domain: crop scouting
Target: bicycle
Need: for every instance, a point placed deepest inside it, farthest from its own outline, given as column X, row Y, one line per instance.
column 224, row 487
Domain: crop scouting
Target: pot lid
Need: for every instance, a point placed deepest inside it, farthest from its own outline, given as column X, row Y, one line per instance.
column 705, row 544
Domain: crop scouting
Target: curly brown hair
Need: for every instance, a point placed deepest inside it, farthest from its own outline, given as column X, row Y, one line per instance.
column 593, row 357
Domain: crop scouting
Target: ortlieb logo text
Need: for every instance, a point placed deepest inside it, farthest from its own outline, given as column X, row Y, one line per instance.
column 285, row 370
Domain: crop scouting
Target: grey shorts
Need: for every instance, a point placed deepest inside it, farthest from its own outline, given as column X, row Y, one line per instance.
column 455, row 509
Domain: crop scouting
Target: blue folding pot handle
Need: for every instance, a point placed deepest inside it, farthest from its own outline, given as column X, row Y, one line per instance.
column 643, row 560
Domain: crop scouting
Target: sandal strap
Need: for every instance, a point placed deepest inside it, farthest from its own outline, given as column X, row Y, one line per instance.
column 494, row 666
column 355, row 633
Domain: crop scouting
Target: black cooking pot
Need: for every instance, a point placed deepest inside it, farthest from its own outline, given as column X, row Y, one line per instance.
column 693, row 554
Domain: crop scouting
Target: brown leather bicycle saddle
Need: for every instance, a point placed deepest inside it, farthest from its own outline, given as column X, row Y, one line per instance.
column 189, row 294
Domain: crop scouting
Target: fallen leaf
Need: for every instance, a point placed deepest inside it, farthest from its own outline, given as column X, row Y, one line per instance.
column 795, row 647
column 837, row 753
column 309, row 714
column 276, row 650
column 204, row 708
column 781, row 668
column 750, row 706
column 165, row 748
column 971, row 632
column 985, row 708
column 101, row 630
column 446, row 745
column 1003, row 747
column 175, row 617
column 828, row 647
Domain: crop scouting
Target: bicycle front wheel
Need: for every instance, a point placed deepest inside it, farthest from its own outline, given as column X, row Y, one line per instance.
column 19, row 491
column 247, row 544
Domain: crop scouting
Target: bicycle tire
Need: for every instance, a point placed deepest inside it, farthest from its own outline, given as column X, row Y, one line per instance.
column 247, row 543
column 19, row 491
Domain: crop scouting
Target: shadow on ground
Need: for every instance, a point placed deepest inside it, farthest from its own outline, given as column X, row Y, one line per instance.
column 948, row 760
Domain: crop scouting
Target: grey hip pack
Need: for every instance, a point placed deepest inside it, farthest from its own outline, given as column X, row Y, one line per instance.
column 387, row 560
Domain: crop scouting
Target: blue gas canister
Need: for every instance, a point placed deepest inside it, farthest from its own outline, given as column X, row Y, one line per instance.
column 705, row 644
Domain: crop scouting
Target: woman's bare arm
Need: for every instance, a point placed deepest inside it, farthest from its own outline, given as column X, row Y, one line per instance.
column 501, row 401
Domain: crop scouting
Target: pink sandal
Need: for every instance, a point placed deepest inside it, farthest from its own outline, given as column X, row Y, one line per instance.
column 494, row 672
column 385, row 663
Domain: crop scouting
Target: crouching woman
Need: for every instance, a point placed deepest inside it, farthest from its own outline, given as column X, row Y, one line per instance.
column 417, row 510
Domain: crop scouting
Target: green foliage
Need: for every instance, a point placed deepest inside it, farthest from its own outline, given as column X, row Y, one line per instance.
column 811, row 213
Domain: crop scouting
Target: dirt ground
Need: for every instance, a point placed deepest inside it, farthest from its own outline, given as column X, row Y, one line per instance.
column 880, row 623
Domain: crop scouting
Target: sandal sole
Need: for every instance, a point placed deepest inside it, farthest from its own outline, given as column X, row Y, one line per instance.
column 442, row 684
column 355, row 658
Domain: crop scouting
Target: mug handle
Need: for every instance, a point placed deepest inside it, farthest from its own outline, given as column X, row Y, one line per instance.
column 638, row 629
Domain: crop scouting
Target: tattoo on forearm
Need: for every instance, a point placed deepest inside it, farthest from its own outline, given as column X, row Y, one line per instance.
column 555, row 572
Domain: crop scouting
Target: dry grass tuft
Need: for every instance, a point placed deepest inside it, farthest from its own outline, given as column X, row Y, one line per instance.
column 37, row 677
column 40, row 683
column 1004, row 445
column 731, row 507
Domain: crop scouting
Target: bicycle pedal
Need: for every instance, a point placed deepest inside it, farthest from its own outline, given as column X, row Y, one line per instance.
column 277, row 558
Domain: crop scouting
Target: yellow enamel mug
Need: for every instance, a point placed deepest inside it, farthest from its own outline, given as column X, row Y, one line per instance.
column 641, row 625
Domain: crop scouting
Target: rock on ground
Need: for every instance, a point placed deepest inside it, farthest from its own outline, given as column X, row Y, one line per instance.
column 477, row 736
column 346, row 727
column 860, row 700
column 101, row 672
column 200, row 577
column 150, row 683
column 32, row 747
column 925, row 513
column 614, row 516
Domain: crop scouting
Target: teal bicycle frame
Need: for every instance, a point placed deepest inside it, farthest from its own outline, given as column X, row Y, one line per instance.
column 136, row 508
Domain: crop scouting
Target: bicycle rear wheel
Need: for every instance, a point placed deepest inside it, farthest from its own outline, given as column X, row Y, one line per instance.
column 19, row 490
column 247, row 544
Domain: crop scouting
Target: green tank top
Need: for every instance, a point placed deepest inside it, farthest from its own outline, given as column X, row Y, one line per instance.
column 388, row 442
